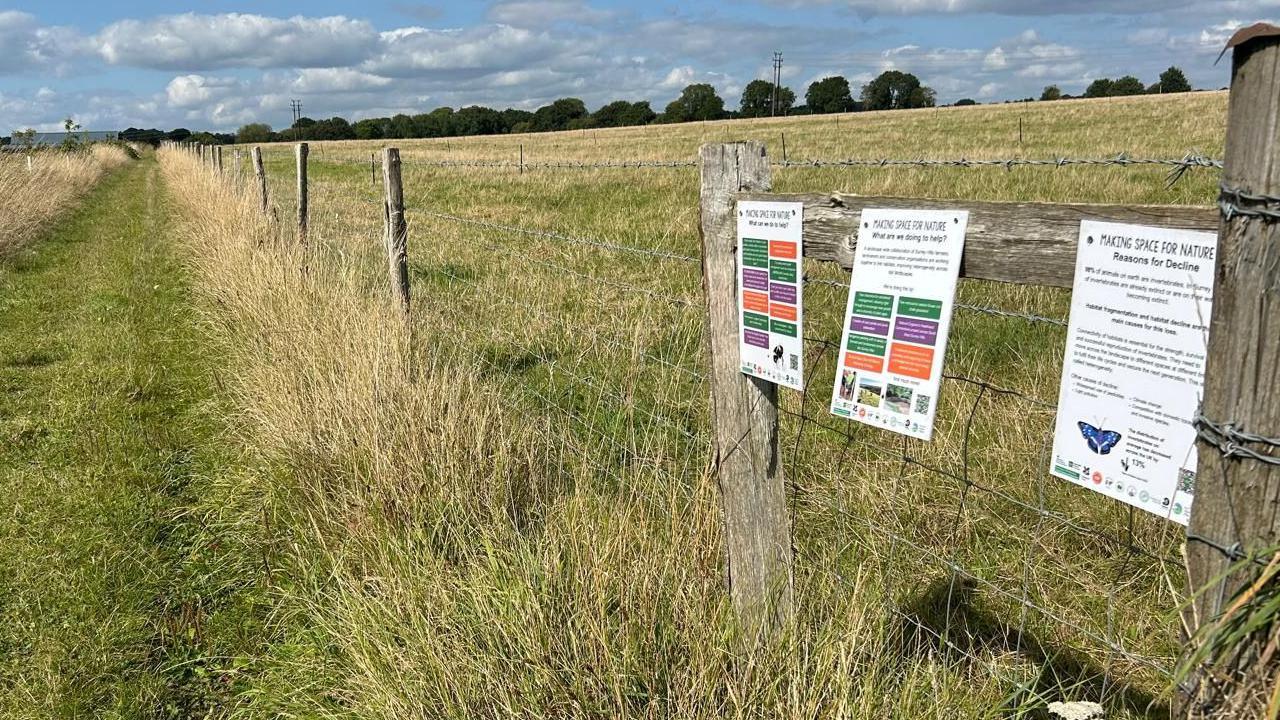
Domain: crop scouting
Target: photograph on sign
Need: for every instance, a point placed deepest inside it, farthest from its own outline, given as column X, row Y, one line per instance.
column 898, row 317
column 771, row 291
column 1133, row 374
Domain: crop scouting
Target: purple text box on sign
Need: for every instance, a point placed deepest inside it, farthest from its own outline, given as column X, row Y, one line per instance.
column 924, row 332
column 782, row 292
column 871, row 327
column 756, row 338
column 754, row 279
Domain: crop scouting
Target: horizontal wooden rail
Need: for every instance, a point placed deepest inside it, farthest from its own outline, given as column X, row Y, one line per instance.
column 1027, row 243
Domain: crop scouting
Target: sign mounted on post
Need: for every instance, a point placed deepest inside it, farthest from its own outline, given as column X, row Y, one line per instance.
column 1133, row 375
column 898, row 317
column 771, row 291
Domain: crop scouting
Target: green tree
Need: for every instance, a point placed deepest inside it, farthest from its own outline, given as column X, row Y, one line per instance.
column 1099, row 88
column 371, row 128
column 478, row 120
column 895, row 90
column 178, row 134
column 757, row 99
column 254, row 133
column 512, row 117
column 639, row 114
column 696, row 102
column 1127, row 85
column 401, row 126
column 1051, row 92
column 965, row 102
column 1173, row 80
column 70, row 141
column 612, row 115
column 829, row 95
column 558, row 114
column 24, row 138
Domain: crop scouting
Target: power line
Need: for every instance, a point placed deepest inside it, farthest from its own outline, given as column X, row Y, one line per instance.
column 296, row 107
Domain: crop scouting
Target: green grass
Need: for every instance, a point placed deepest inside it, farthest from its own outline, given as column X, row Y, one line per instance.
column 111, row 603
column 529, row 530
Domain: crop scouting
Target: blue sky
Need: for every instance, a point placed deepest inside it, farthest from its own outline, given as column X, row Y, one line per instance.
column 220, row 64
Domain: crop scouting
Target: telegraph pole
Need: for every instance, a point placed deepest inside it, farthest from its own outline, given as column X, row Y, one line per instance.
column 777, row 80
column 296, row 107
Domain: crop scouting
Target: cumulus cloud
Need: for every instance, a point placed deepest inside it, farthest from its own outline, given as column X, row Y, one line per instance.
column 210, row 42
column 1033, row 7
column 26, row 45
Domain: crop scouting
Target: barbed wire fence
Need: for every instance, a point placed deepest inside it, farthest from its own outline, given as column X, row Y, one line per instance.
column 1015, row 578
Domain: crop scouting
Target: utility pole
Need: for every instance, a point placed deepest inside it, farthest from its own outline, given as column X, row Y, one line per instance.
column 296, row 107
column 777, row 80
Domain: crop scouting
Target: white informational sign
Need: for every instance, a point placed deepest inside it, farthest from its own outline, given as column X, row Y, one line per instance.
column 771, row 291
column 1133, row 374
column 898, row 317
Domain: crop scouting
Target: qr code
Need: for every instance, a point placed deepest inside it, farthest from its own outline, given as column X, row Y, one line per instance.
column 922, row 404
column 795, row 361
column 1187, row 481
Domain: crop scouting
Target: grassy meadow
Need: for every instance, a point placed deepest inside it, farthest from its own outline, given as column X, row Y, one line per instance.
column 32, row 195
column 503, row 507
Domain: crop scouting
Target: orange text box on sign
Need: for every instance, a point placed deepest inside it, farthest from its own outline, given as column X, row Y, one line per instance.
column 783, row 312
column 912, row 361
column 755, row 302
column 868, row 363
column 782, row 249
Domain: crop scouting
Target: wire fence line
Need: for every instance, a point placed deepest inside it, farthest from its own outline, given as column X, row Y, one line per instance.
column 1177, row 166
column 999, row 535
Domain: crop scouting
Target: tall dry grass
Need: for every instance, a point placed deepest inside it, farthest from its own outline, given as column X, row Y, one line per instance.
column 31, row 194
column 517, row 518
column 437, row 550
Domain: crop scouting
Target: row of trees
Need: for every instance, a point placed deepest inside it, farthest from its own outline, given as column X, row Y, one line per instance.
column 891, row 90
column 700, row 101
column 1172, row 80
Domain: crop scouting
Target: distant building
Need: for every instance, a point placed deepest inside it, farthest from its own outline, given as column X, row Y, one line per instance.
column 56, row 138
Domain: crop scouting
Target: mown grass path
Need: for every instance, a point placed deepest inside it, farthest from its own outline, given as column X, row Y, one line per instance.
column 104, row 399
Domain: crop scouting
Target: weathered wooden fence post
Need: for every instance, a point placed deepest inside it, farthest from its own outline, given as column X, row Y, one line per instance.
column 397, row 229
column 218, row 158
column 373, row 169
column 300, row 155
column 238, row 170
column 747, row 463
column 260, row 174
column 1238, row 478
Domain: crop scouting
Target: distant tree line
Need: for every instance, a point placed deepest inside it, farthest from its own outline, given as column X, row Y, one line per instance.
column 891, row 90
column 1172, row 80
column 700, row 101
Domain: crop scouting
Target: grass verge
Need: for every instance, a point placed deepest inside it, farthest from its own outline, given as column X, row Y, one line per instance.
column 112, row 602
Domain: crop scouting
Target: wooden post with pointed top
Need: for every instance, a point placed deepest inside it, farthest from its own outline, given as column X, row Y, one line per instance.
column 1236, row 496
column 746, row 459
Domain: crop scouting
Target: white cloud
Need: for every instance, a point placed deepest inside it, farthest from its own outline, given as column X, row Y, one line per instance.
column 26, row 45
column 209, row 42
column 190, row 91
column 540, row 13
column 995, row 60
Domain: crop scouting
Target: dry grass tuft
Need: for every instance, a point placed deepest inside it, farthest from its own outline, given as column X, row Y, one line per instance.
column 29, row 198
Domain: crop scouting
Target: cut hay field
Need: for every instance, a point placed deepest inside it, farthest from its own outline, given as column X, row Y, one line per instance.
column 507, row 509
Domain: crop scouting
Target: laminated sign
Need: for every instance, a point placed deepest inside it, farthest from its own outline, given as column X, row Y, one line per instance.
column 770, row 291
column 1133, row 375
column 898, row 317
